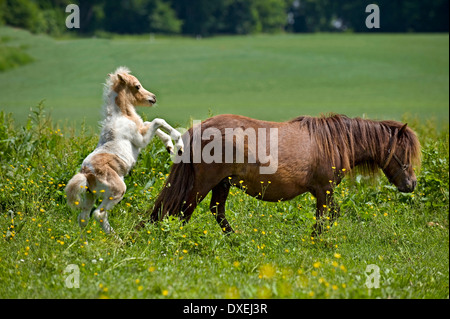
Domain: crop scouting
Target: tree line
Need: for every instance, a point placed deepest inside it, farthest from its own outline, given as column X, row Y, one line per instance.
column 212, row 17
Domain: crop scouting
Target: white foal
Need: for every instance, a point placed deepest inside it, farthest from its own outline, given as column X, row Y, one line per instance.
column 123, row 136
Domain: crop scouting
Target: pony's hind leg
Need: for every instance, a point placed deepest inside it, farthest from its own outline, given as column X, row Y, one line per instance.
column 188, row 207
column 217, row 205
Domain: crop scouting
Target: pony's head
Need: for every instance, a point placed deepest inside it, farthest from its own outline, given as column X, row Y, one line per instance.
column 403, row 152
column 129, row 90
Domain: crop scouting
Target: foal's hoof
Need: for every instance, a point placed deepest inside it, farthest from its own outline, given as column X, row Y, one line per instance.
column 170, row 150
column 180, row 152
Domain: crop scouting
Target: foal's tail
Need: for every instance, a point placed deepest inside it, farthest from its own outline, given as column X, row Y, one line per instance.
column 75, row 187
column 177, row 189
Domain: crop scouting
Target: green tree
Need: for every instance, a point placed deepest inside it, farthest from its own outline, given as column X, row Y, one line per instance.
column 201, row 17
column 140, row 16
column 241, row 17
column 23, row 14
column 272, row 14
column 127, row 17
column 163, row 19
column 2, row 2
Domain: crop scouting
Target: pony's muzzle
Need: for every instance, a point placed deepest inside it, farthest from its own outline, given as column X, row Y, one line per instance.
column 413, row 184
column 408, row 187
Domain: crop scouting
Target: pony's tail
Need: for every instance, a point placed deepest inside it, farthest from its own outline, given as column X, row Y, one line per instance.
column 177, row 190
column 75, row 187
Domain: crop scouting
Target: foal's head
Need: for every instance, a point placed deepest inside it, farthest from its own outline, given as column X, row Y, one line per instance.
column 129, row 90
column 403, row 151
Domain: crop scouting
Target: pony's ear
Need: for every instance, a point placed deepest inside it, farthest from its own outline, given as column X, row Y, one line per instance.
column 402, row 130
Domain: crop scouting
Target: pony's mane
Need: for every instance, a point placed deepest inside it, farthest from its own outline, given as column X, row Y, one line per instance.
column 337, row 137
column 109, row 108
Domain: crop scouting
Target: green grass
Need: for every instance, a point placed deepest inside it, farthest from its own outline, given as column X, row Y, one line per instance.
column 271, row 256
column 11, row 57
column 272, row 77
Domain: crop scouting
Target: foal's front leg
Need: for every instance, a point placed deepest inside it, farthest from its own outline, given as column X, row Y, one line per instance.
column 166, row 140
column 174, row 134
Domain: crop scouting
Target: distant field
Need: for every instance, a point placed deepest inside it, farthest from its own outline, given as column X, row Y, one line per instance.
column 273, row 77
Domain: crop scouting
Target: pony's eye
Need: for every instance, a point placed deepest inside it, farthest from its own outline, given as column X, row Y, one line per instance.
column 137, row 87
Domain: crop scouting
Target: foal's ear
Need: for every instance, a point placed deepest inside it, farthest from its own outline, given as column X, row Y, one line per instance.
column 121, row 77
column 402, row 130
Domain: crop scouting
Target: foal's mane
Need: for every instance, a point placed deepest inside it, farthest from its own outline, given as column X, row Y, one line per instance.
column 109, row 108
column 338, row 137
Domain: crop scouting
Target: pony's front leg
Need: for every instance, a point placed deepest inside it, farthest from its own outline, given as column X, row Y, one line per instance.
column 323, row 199
column 217, row 205
column 166, row 140
column 174, row 134
column 324, row 204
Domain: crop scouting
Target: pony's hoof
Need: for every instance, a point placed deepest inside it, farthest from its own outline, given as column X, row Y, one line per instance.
column 180, row 152
column 315, row 233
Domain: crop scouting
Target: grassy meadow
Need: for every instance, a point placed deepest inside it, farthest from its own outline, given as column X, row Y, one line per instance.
column 271, row 77
column 405, row 236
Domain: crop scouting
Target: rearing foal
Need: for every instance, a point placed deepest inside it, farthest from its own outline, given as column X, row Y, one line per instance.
column 123, row 136
column 313, row 153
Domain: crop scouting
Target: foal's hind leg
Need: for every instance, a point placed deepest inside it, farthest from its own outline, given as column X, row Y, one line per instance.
column 86, row 206
column 113, row 194
column 217, row 205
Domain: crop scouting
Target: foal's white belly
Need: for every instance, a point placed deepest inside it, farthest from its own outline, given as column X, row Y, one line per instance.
column 116, row 138
column 124, row 149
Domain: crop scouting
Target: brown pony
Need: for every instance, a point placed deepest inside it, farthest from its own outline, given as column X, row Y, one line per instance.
column 313, row 155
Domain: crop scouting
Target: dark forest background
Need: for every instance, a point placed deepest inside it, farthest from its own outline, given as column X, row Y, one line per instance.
column 213, row 17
